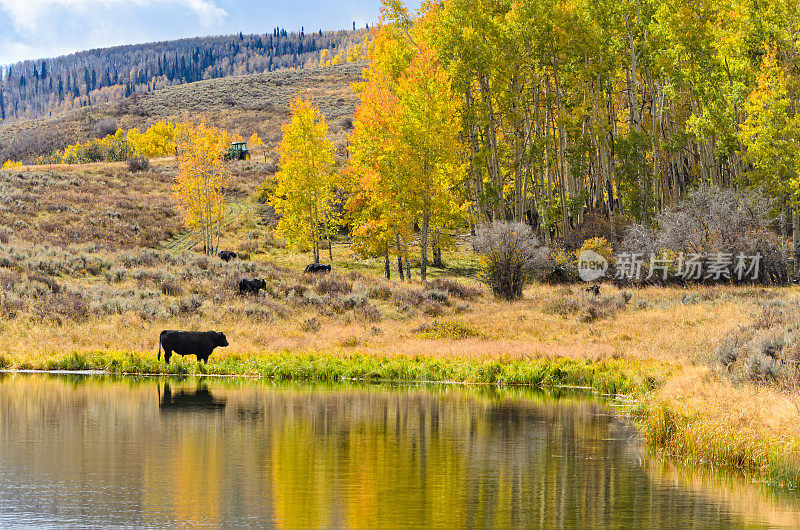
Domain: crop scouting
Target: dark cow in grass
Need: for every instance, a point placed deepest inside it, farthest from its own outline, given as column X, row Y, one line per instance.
column 199, row 343
column 317, row 267
column 227, row 255
column 251, row 286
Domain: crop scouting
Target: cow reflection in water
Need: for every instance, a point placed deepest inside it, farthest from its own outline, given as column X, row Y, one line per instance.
column 182, row 400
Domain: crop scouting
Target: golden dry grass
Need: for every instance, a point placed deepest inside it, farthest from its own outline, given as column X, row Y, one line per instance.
column 665, row 331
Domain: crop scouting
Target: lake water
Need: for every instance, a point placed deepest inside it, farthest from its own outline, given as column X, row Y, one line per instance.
column 148, row 452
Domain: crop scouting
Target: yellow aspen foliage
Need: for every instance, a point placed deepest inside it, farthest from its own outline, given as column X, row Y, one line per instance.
column 771, row 132
column 337, row 59
column 324, row 57
column 305, row 179
column 112, row 148
column 158, row 140
column 10, row 164
column 202, row 177
column 406, row 150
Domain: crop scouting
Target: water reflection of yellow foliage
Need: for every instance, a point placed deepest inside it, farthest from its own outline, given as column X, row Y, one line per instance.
column 759, row 503
column 346, row 456
column 310, row 460
column 197, row 489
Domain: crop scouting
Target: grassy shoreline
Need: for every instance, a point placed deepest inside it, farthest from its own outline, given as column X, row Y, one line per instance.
column 667, row 427
column 608, row 376
column 698, row 439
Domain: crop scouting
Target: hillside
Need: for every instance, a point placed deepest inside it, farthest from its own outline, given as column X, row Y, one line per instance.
column 45, row 87
column 244, row 104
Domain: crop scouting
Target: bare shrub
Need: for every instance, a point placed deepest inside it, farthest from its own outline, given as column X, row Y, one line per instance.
column 171, row 287
column 255, row 312
column 598, row 308
column 297, row 290
column 380, row 292
column 432, row 308
column 368, row 313
column 510, row 251
column 51, row 284
column 595, row 224
column 772, row 314
column 138, row 163
column 66, row 304
column 408, row 297
column 711, row 221
column 105, row 127
column 202, row 263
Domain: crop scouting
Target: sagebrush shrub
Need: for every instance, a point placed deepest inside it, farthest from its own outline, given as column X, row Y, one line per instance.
column 330, row 284
column 453, row 288
column 354, row 300
column 438, row 296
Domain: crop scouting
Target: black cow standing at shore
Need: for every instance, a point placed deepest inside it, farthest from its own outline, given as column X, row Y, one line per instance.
column 227, row 255
column 251, row 286
column 199, row 343
column 317, row 267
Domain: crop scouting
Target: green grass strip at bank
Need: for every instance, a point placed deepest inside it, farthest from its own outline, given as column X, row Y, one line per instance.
column 610, row 376
column 702, row 439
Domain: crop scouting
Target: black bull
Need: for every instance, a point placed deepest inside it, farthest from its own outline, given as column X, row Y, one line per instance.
column 199, row 343
column 251, row 286
column 316, row 267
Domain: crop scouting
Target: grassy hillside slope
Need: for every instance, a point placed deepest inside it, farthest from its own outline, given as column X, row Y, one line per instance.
column 245, row 104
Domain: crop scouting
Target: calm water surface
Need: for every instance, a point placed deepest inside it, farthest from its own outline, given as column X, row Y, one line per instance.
column 80, row 451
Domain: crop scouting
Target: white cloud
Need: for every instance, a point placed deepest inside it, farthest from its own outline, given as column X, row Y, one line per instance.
column 46, row 28
column 28, row 15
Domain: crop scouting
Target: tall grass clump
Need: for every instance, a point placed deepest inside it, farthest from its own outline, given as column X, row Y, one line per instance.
column 694, row 438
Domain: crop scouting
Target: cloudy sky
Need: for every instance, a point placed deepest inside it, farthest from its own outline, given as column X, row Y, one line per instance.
column 32, row 29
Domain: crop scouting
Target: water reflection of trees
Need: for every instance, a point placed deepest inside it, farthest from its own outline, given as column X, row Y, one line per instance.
column 333, row 456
